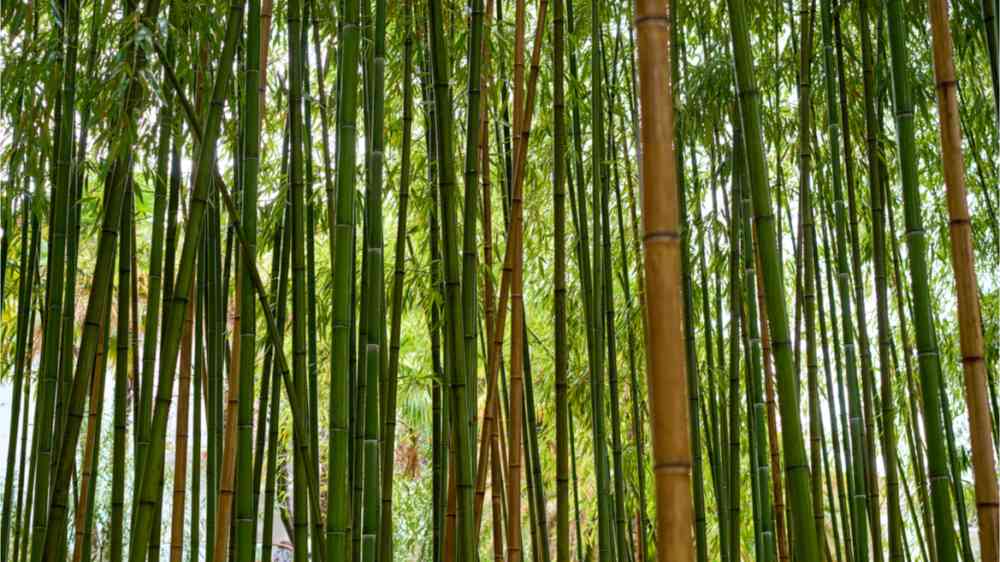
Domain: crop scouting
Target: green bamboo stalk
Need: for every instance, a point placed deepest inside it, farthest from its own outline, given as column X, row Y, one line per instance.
column 24, row 524
column 263, row 405
column 990, row 29
column 298, row 220
column 833, row 128
column 156, row 260
column 580, row 253
column 757, row 415
column 27, row 261
column 312, row 329
column 376, row 294
column 245, row 513
column 149, row 483
column 806, row 243
column 84, row 515
column 796, row 466
column 598, row 293
column 343, row 236
column 120, row 407
column 863, row 341
column 46, row 411
column 536, row 487
column 200, row 375
column 471, row 203
column 954, row 465
column 630, row 330
column 877, row 202
column 712, row 409
column 923, row 322
column 620, row 529
column 22, row 466
column 838, row 502
column 732, row 449
column 438, row 423
column 454, row 320
column 694, row 389
column 275, row 408
column 389, row 415
column 719, row 404
column 914, row 440
column 559, row 282
column 115, row 187
column 854, row 453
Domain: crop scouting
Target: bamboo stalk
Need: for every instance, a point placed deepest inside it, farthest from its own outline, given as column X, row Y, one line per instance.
column 661, row 237
column 963, row 267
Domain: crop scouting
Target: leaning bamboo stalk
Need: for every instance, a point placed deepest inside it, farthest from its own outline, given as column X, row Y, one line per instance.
column 52, row 542
column 963, row 265
column 661, row 243
column 85, row 504
column 296, row 407
column 508, row 264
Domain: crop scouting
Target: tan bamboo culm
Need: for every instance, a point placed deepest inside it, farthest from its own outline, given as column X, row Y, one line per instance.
column 665, row 365
column 963, row 261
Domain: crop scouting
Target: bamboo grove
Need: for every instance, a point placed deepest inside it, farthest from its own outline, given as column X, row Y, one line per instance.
column 506, row 280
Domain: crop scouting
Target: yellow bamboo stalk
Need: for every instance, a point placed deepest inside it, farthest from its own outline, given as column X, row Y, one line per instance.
column 970, row 325
column 665, row 361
